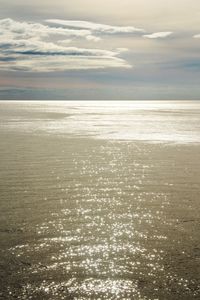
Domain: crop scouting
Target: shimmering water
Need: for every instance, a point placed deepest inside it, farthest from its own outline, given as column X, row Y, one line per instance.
column 100, row 201
column 163, row 121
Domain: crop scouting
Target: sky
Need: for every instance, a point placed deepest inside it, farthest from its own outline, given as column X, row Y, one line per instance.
column 100, row 50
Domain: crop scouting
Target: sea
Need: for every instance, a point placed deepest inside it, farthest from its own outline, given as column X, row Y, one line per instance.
column 100, row 200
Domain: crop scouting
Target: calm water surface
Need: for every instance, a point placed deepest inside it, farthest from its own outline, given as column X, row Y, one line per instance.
column 100, row 200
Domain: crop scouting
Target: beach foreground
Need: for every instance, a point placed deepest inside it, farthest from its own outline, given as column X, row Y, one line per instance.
column 89, row 212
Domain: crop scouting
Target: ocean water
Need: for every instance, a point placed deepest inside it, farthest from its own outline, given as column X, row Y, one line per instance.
column 100, row 200
column 165, row 121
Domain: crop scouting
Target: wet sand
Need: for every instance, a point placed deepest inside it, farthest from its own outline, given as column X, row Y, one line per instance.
column 87, row 218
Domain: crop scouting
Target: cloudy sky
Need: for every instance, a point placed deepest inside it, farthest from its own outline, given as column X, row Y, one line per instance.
column 92, row 49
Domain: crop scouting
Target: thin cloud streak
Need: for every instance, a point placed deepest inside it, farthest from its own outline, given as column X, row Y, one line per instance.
column 158, row 35
column 61, row 63
column 27, row 30
column 95, row 27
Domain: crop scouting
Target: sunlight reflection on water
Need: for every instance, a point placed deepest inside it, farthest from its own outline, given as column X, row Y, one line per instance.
column 166, row 121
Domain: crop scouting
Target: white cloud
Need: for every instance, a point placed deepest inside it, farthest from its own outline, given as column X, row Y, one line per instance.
column 158, row 35
column 26, row 30
column 61, row 63
column 196, row 36
column 36, row 47
column 95, row 27
column 93, row 38
column 122, row 50
column 30, row 47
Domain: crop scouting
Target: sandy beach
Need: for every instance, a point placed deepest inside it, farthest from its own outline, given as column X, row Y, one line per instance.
column 89, row 212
